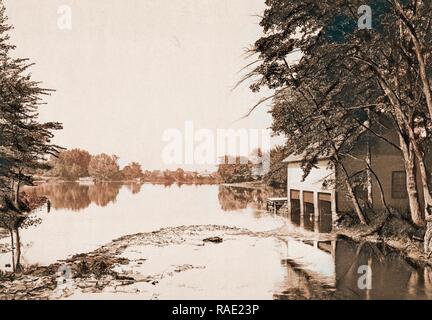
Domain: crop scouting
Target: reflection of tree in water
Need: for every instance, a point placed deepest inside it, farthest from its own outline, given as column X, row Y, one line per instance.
column 392, row 276
column 134, row 187
column 237, row 198
column 73, row 196
column 104, row 193
column 299, row 284
column 70, row 195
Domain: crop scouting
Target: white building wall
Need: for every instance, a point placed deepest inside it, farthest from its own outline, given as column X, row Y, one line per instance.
column 313, row 182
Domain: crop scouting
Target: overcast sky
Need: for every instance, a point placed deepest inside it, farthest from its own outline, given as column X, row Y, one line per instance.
column 130, row 69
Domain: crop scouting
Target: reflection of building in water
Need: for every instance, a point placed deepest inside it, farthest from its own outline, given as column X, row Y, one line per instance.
column 308, row 216
column 333, row 268
column 310, row 270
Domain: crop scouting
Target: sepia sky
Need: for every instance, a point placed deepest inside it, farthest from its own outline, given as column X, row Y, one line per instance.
column 130, row 69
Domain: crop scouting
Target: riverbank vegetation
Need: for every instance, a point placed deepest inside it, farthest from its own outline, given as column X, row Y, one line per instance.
column 351, row 84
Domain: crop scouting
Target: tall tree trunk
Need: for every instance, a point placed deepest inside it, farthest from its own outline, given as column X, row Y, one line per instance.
column 353, row 196
column 408, row 149
column 381, row 189
column 16, row 195
column 424, row 175
column 369, row 165
column 419, row 52
column 428, row 237
column 13, row 249
column 428, row 96
column 411, row 182
column 12, row 190
column 427, row 202
column 18, row 267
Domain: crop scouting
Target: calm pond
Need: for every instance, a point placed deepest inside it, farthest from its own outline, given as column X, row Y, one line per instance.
column 301, row 260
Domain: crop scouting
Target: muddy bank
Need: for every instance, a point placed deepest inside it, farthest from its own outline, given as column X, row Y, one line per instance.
column 143, row 266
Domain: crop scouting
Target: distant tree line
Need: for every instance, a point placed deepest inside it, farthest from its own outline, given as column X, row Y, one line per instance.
column 180, row 176
column 76, row 163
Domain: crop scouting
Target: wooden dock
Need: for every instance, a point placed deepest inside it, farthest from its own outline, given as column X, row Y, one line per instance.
column 274, row 204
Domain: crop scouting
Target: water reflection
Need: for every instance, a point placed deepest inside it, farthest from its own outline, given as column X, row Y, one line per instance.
column 237, row 198
column 112, row 210
column 320, row 223
column 312, row 269
column 75, row 196
column 135, row 188
column 330, row 270
column 392, row 276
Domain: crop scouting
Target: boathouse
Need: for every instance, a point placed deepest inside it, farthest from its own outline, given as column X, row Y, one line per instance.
column 322, row 192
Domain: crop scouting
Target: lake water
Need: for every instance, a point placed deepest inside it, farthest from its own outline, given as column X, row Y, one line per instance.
column 303, row 260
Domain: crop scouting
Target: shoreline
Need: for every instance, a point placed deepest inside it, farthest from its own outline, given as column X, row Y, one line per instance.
column 250, row 185
column 91, row 182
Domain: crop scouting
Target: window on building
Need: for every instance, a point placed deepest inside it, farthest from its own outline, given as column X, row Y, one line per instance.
column 399, row 186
